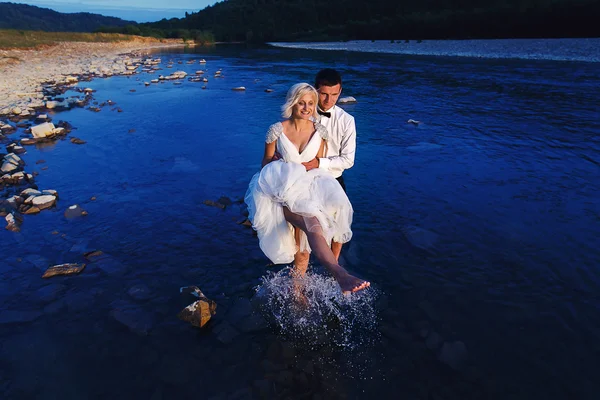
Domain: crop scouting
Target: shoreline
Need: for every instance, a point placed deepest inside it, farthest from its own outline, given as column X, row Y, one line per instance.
column 23, row 72
column 32, row 83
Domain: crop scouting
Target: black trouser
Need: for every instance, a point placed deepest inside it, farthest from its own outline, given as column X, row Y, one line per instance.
column 341, row 182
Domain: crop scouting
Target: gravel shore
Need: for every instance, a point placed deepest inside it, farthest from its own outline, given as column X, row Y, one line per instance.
column 22, row 72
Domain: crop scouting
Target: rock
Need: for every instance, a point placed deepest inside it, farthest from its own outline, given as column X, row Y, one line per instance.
column 63, row 269
column 49, row 293
column 225, row 333
column 133, row 317
column 434, row 341
column 30, row 210
column 239, row 88
column 44, row 201
column 414, row 122
column 199, row 312
column 42, row 130
column 11, row 223
column 28, row 141
column 347, row 100
column 214, row 204
column 30, row 192
column 140, row 292
column 75, row 211
column 106, row 263
column 268, row 90
column 77, row 141
column 18, row 317
column 420, row 238
column 454, row 355
column 224, row 200
column 8, row 167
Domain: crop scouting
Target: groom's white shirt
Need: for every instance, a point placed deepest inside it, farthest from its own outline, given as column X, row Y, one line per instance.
column 341, row 142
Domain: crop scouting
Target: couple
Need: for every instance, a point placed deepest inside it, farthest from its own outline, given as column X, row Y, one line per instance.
column 295, row 203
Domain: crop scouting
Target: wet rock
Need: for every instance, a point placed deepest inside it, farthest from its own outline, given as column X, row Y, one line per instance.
column 420, row 238
column 75, row 211
column 239, row 88
column 43, row 130
column 224, row 200
column 454, row 354
column 133, row 317
column 199, row 312
column 225, row 333
column 243, row 317
column 27, row 209
column 63, row 269
column 18, row 317
column 214, row 204
column 75, row 140
column 44, row 201
column 140, row 292
column 38, row 261
column 434, row 341
column 268, row 90
column 11, row 223
column 106, row 263
column 51, row 292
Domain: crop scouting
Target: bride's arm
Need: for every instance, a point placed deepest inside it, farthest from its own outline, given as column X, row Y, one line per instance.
column 269, row 152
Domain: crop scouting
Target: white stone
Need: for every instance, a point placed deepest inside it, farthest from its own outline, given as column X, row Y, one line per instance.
column 29, row 200
column 239, row 88
column 44, row 201
column 30, row 192
column 58, row 131
column 42, row 116
column 42, row 130
column 51, row 192
column 16, row 111
column 10, row 219
column 347, row 99
column 13, row 158
column 8, row 167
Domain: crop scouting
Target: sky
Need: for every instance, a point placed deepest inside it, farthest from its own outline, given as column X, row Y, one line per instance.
column 132, row 10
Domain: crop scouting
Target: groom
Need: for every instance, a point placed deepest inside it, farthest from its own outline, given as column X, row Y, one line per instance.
column 341, row 145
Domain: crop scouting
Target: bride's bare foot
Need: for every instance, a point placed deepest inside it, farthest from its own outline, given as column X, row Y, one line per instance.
column 350, row 284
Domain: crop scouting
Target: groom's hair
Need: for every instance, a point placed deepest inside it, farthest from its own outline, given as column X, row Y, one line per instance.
column 327, row 77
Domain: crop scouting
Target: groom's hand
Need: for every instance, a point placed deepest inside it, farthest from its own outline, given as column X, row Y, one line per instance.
column 276, row 156
column 312, row 164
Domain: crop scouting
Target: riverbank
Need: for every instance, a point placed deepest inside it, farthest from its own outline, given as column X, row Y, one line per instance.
column 24, row 71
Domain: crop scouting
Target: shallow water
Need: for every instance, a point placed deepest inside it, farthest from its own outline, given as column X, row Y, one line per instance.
column 479, row 225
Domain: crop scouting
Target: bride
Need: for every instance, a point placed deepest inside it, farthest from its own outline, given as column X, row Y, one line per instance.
column 285, row 194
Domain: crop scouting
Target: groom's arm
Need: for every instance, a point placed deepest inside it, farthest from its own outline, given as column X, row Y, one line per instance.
column 345, row 159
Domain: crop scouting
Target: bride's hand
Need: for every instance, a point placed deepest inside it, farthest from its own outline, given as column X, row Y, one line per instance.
column 312, row 164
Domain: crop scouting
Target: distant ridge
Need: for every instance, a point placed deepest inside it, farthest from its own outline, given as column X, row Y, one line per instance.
column 26, row 17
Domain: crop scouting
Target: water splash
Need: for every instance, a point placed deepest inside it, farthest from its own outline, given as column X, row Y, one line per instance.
column 312, row 309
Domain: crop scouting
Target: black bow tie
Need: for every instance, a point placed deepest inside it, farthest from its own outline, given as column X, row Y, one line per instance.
column 324, row 113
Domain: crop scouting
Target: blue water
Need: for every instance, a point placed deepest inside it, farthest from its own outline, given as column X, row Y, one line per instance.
column 479, row 225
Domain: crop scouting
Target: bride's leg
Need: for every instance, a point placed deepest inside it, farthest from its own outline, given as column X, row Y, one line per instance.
column 301, row 259
column 347, row 282
column 336, row 248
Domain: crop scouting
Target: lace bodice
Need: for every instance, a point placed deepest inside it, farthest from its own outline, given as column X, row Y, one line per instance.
column 288, row 150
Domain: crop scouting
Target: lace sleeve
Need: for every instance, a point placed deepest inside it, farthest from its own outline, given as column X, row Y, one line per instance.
column 274, row 132
column 322, row 131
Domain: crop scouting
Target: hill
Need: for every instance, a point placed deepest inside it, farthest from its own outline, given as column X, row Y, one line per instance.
column 282, row 20
column 25, row 17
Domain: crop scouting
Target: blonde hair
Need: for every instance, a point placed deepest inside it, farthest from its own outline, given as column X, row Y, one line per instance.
column 296, row 92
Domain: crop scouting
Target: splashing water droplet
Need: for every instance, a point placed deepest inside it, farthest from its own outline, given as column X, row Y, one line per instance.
column 312, row 309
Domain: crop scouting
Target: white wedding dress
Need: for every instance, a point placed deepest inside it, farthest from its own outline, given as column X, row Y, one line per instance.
column 313, row 193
